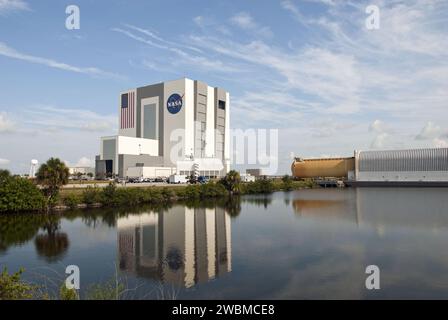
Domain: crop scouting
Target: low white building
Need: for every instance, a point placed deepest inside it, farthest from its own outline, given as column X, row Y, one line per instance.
column 81, row 170
column 245, row 177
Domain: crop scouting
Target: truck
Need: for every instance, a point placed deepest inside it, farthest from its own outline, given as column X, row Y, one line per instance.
column 177, row 178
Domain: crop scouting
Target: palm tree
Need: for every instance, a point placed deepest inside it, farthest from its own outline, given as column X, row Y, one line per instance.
column 232, row 181
column 51, row 176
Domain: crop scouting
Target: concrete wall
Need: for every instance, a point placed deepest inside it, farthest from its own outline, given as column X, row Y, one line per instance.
column 136, row 146
column 125, row 161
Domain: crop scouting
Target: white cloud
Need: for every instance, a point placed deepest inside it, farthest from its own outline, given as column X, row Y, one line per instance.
column 377, row 126
column 85, row 162
column 50, row 118
column 440, row 143
column 429, row 131
column 199, row 21
column 48, row 131
column 12, row 5
column 154, row 36
column 183, row 57
column 82, row 162
column 4, row 162
column 379, row 141
column 333, row 79
column 6, row 124
column 246, row 22
column 9, row 52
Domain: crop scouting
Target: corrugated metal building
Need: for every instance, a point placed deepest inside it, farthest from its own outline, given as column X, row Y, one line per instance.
column 402, row 165
column 414, row 167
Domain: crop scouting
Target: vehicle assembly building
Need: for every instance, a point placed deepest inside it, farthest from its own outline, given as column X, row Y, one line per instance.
column 179, row 126
column 415, row 167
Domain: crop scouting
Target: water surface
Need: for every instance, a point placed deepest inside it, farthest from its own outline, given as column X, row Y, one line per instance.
column 303, row 244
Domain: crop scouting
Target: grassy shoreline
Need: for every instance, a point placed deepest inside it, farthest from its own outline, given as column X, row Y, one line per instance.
column 19, row 195
column 92, row 197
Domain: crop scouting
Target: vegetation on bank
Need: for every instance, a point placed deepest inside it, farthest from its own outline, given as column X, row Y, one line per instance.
column 114, row 196
column 19, row 194
column 13, row 287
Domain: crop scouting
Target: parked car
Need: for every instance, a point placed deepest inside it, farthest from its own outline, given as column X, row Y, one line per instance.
column 202, row 179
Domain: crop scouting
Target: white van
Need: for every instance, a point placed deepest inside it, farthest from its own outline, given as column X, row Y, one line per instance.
column 177, row 178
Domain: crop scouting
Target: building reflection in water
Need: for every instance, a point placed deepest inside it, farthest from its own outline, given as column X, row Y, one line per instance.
column 379, row 207
column 182, row 246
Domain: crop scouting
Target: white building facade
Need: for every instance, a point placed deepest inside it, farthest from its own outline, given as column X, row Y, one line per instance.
column 174, row 126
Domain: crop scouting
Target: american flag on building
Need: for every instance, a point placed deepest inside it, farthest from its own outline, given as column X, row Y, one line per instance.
column 127, row 110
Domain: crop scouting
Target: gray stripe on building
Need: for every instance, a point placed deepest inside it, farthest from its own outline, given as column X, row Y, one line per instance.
column 148, row 92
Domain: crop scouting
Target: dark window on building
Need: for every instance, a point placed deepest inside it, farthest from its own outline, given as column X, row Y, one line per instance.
column 139, row 164
column 222, row 105
column 124, row 100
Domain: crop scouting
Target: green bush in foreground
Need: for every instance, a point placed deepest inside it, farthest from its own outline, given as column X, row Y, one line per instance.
column 13, row 288
column 68, row 294
column 111, row 290
column 20, row 194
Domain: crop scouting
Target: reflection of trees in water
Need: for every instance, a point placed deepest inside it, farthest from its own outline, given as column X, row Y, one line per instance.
column 18, row 229
column 223, row 257
column 264, row 200
column 174, row 259
column 231, row 204
column 52, row 244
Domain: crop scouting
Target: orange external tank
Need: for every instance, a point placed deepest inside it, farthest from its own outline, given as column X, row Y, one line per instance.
column 323, row 167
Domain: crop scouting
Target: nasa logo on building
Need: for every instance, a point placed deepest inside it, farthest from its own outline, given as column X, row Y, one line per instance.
column 174, row 103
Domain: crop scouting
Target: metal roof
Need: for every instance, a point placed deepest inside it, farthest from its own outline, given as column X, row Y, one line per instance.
column 435, row 159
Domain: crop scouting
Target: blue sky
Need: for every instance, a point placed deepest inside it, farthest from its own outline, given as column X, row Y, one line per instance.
column 309, row 68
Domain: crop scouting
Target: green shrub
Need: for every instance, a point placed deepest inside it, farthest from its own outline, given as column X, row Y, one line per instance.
column 68, row 294
column 258, row 186
column 192, row 192
column 153, row 195
column 20, row 194
column 287, row 182
column 91, row 195
column 13, row 288
column 4, row 174
column 111, row 290
column 108, row 193
column 167, row 194
column 71, row 200
column 212, row 190
column 180, row 193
